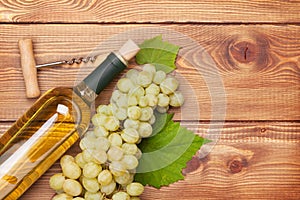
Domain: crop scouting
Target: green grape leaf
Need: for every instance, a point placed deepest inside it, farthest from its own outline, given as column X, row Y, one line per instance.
column 166, row 154
column 159, row 53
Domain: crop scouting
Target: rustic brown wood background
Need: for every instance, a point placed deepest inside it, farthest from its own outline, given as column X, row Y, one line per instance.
column 255, row 45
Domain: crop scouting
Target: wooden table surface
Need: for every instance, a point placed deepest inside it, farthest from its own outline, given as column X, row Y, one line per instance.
column 255, row 45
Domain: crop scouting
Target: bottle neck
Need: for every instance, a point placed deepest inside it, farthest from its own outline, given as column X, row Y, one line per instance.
column 95, row 82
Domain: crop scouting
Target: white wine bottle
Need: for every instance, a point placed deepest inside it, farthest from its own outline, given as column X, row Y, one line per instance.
column 52, row 125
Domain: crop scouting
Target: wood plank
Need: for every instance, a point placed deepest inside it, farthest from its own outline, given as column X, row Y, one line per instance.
column 257, row 66
column 252, row 160
column 138, row 11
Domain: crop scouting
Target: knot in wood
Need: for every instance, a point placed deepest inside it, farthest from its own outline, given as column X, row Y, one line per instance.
column 244, row 52
column 235, row 166
column 262, row 130
column 247, row 52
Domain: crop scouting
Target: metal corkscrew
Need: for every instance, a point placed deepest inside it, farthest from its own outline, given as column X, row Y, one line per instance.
column 29, row 67
column 69, row 62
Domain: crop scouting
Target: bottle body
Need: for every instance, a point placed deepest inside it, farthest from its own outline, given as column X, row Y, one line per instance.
column 42, row 135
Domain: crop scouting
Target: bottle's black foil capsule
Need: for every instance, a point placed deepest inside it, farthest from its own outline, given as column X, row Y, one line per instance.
column 105, row 72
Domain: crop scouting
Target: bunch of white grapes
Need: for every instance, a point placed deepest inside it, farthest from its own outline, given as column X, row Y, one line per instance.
column 106, row 166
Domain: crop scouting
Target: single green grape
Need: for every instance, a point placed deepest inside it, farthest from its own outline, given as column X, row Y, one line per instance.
column 129, row 149
column 121, row 114
column 134, row 112
column 115, row 153
column 122, row 102
column 121, row 196
column 71, row 170
column 115, row 139
column 87, row 155
column 102, row 143
column 99, row 119
column 105, row 177
column 56, row 181
column 132, row 100
column 90, row 184
column 149, row 68
column 176, row 99
column 93, row 196
column 79, row 160
column 86, row 143
column 91, row 170
column 125, row 84
column 99, row 156
column 132, row 74
column 66, row 159
column 146, row 114
column 144, row 78
column 112, row 123
column 123, row 179
column 152, row 99
column 130, row 135
column 104, row 109
column 159, row 77
column 117, row 168
column 115, row 95
column 163, row 100
column 169, row 85
column 72, row 187
column 130, row 123
column 135, row 189
column 143, row 101
column 137, row 91
column 145, row 129
column 153, row 89
column 100, row 131
column 108, row 189
column 130, row 162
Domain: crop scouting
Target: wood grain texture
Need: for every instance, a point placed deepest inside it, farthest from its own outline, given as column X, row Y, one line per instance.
column 258, row 66
column 139, row 11
column 248, row 58
column 252, row 160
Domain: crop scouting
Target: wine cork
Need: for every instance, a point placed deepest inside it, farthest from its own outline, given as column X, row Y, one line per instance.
column 28, row 68
column 129, row 50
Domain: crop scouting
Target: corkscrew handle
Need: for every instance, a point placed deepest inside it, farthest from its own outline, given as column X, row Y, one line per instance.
column 29, row 68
